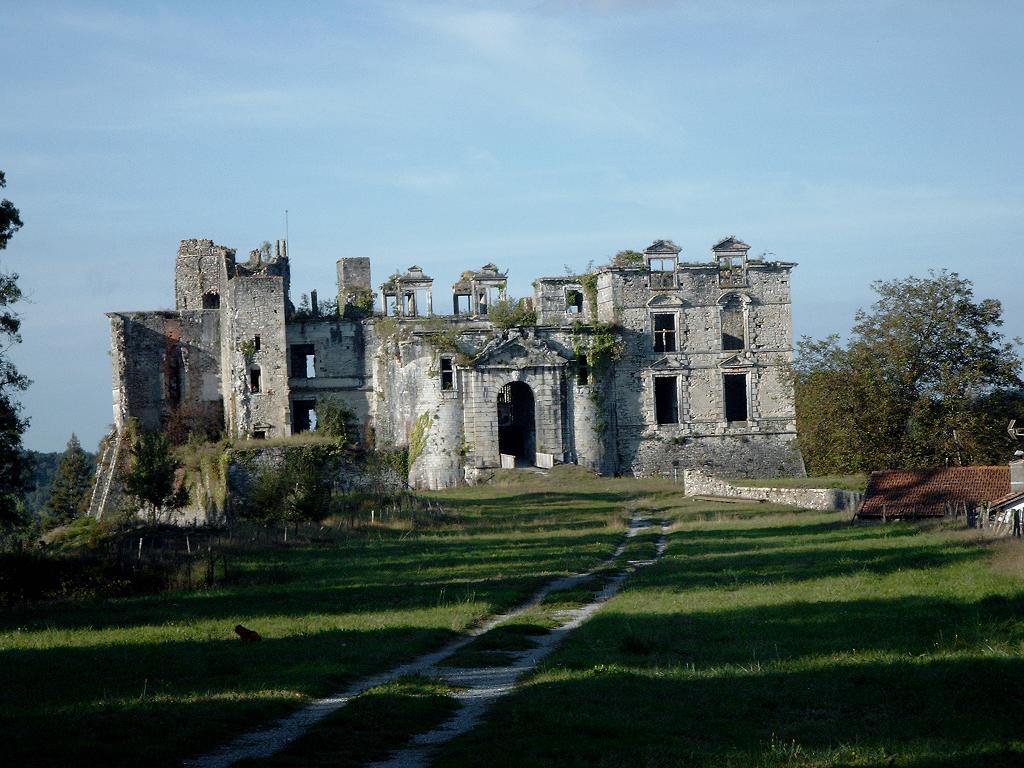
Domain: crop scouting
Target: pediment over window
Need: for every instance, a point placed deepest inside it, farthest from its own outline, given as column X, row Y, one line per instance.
column 666, row 301
column 519, row 351
column 672, row 364
column 736, row 361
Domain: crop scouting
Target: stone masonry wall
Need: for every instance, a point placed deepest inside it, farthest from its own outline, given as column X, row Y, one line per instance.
column 256, row 306
column 201, row 268
column 697, row 483
column 162, row 356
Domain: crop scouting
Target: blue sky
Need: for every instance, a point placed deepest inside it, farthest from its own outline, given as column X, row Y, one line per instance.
column 865, row 141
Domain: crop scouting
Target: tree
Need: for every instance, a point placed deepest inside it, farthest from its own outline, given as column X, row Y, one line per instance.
column 14, row 464
column 150, row 478
column 926, row 379
column 69, row 492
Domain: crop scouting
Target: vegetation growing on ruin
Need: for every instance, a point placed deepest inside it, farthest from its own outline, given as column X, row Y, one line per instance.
column 628, row 259
column 589, row 284
column 151, row 475
column 248, row 349
column 418, row 437
column 511, row 313
column 360, row 300
column 335, row 419
column 600, row 342
column 441, row 333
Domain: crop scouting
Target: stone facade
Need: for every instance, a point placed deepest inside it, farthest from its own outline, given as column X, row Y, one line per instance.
column 647, row 367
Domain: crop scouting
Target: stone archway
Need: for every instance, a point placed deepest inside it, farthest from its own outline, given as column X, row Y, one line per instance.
column 517, row 429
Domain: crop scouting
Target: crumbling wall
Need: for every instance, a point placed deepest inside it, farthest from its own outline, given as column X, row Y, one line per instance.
column 256, row 306
column 161, row 359
column 697, row 483
column 201, row 269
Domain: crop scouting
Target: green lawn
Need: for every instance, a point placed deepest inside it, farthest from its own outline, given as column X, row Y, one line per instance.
column 160, row 678
column 784, row 640
column 763, row 638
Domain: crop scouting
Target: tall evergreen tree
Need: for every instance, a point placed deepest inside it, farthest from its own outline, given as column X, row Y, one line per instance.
column 14, row 463
column 69, row 493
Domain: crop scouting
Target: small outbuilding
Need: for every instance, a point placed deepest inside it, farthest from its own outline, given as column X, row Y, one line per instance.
column 929, row 493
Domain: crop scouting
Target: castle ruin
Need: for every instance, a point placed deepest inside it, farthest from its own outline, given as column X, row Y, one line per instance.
column 647, row 365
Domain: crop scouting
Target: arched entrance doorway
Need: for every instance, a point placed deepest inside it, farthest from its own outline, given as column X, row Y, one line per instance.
column 516, row 426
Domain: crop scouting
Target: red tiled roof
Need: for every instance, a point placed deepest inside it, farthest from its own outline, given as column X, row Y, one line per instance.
column 926, row 492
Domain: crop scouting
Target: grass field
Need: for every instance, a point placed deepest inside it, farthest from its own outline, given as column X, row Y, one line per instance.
column 763, row 638
column 155, row 679
column 784, row 640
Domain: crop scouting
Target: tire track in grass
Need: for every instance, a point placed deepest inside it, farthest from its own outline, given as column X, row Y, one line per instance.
column 482, row 685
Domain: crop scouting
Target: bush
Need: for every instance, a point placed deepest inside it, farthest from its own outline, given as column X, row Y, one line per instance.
column 511, row 313
column 334, row 418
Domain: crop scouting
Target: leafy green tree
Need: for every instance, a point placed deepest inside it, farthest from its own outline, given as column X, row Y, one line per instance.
column 926, row 379
column 150, row 478
column 14, row 464
column 69, row 492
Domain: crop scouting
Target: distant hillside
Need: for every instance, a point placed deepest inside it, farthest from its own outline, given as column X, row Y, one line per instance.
column 44, row 466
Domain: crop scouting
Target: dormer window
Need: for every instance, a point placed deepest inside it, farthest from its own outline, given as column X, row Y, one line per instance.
column 663, row 271
column 731, row 255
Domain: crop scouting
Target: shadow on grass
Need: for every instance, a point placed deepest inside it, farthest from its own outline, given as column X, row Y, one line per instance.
column 219, row 687
column 905, row 713
column 400, row 577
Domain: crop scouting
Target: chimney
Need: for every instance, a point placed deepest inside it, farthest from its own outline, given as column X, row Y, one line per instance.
column 314, row 305
column 1017, row 473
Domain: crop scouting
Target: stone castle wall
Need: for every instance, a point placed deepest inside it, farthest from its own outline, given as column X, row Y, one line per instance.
column 387, row 371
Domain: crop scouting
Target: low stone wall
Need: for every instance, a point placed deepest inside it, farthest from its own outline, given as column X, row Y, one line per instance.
column 698, row 483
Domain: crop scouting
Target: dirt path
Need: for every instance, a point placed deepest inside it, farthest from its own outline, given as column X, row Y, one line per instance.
column 482, row 686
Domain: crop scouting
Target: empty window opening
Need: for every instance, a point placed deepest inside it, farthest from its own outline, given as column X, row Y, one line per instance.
column 573, row 301
column 303, row 361
column 665, row 333
column 447, row 373
column 666, row 400
column 211, row 300
column 391, row 305
column 303, row 415
column 735, row 386
column 259, row 434
column 256, row 342
column 663, row 272
column 254, row 380
column 734, row 335
column 582, row 370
